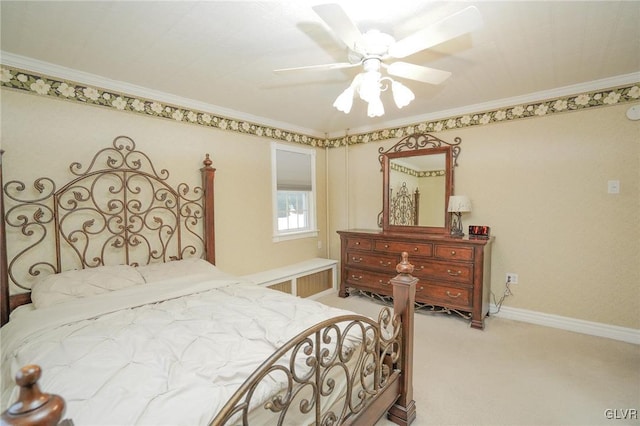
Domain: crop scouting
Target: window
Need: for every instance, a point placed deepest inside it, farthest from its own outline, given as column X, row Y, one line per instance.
column 294, row 192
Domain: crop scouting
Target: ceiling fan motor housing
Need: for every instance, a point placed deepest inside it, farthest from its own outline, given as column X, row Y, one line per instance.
column 372, row 64
column 374, row 43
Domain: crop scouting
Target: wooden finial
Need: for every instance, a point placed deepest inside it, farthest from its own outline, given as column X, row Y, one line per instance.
column 207, row 161
column 404, row 267
column 33, row 406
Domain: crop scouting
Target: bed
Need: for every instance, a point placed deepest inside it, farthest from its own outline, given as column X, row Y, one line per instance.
column 113, row 306
column 404, row 206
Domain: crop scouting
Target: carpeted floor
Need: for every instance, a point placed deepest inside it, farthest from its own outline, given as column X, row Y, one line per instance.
column 515, row 373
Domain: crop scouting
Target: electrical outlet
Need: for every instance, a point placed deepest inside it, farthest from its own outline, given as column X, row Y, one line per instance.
column 512, row 278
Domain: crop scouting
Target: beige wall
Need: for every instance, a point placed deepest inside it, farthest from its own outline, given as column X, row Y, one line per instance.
column 541, row 184
column 41, row 135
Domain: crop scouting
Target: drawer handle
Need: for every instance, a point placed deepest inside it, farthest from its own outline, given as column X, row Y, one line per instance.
column 383, row 282
column 356, row 278
column 416, row 249
column 452, row 296
column 357, row 243
column 454, row 274
column 383, row 263
column 453, row 252
column 386, row 246
column 418, row 290
column 356, row 259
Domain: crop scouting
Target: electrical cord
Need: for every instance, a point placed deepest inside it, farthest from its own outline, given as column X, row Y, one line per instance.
column 507, row 292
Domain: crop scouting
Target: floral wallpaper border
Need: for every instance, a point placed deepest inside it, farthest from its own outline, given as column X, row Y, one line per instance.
column 416, row 173
column 22, row 80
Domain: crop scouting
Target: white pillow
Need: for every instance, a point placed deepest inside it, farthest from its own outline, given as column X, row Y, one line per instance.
column 21, row 310
column 71, row 285
column 155, row 272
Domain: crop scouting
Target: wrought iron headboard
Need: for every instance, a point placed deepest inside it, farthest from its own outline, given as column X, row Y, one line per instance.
column 403, row 206
column 118, row 210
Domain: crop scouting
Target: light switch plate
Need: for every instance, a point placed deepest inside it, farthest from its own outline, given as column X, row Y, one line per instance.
column 613, row 186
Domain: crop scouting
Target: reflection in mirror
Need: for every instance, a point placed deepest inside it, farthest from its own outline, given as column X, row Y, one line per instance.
column 417, row 190
column 417, row 182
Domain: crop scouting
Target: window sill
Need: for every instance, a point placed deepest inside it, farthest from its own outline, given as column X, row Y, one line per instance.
column 294, row 235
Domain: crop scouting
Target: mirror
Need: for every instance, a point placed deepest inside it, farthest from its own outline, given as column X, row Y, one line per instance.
column 417, row 183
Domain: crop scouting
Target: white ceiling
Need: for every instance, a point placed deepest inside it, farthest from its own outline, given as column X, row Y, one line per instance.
column 223, row 53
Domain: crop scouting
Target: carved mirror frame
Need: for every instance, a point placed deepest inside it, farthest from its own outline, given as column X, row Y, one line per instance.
column 411, row 146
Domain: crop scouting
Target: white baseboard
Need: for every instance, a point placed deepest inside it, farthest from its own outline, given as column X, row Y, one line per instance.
column 630, row 335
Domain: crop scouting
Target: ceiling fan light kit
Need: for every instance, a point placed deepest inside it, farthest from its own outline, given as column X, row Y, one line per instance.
column 375, row 108
column 344, row 101
column 402, row 95
column 373, row 47
column 369, row 86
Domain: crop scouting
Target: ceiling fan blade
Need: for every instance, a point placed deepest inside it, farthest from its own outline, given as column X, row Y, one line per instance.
column 417, row 72
column 334, row 15
column 453, row 26
column 322, row 67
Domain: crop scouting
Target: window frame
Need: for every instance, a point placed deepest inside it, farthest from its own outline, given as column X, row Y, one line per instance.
column 312, row 230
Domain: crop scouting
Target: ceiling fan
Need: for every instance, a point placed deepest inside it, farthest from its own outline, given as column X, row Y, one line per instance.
column 374, row 49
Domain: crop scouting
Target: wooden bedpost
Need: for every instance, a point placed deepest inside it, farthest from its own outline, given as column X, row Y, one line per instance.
column 33, row 407
column 4, row 277
column 208, row 173
column 403, row 412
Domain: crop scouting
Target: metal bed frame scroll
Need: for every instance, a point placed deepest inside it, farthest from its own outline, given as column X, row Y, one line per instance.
column 118, row 210
column 121, row 210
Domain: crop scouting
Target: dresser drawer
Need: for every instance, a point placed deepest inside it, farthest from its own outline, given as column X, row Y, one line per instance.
column 386, row 262
column 454, row 252
column 417, row 249
column 359, row 243
column 371, row 281
column 441, row 271
column 445, row 296
column 452, row 272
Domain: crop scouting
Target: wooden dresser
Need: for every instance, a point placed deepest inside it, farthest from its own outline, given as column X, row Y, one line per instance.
column 454, row 273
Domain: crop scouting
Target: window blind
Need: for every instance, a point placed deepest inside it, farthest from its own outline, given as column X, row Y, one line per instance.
column 293, row 171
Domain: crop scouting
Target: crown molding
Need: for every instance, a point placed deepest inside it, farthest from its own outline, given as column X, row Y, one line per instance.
column 529, row 98
column 32, row 76
column 65, row 73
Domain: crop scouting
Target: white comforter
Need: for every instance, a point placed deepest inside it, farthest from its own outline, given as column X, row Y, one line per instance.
column 160, row 354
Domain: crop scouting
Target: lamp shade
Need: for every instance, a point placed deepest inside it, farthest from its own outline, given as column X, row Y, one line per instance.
column 375, row 108
column 402, row 95
column 344, row 102
column 369, row 88
column 459, row 203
